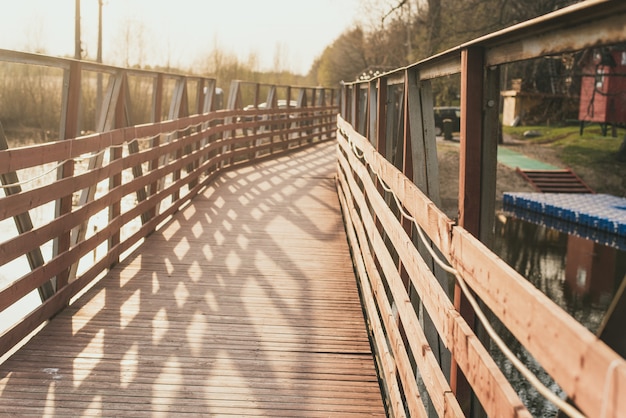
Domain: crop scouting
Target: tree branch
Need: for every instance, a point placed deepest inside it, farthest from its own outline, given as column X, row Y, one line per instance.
column 402, row 3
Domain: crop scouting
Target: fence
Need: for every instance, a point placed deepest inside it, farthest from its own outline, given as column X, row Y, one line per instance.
column 98, row 195
column 425, row 278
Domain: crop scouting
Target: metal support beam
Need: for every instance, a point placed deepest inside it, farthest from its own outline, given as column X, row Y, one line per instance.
column 108, row 118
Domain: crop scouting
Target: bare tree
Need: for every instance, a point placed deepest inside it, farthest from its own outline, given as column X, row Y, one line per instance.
column 344, row 60
column 134, row 43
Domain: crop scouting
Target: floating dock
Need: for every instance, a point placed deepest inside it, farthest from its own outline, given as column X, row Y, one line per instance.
column 599, row 217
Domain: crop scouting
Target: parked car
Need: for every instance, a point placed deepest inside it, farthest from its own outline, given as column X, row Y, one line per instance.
column 280, row 104
column 447, row 112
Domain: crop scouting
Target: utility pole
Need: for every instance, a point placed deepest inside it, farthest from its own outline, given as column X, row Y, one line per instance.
column 77, row 48
column 99, row 53
column 99, row 60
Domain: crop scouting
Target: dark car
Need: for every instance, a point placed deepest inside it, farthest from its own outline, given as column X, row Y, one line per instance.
column 447, row 112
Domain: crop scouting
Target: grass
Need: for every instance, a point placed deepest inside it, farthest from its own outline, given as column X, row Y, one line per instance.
column 590, row 149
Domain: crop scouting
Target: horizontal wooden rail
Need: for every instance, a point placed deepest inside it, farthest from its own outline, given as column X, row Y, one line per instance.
column 389, row 188
column 576, row 358
column 184, row 155
column 490, row 385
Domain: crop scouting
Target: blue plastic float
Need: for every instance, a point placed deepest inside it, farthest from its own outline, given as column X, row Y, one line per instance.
column 599, row 217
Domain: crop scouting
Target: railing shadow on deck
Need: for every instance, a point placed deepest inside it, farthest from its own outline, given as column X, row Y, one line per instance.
column 102, row 193
column 420, row 327
column 185, row 312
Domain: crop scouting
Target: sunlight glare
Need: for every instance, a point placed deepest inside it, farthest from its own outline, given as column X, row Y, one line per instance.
column 160, row 326
column 232, row 262
column 129, row 365
column 195, row 333
column 211, row 300
column 181, row 294
column 130, row 308
column 88, row 312
column 206, row 251
column 171, row 377
column 155, row 283
column 194, row 272
column 50, row 405
column 85, row 361
column 182, row 248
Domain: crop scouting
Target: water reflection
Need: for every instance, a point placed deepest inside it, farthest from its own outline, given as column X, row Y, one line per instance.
column 579, row 275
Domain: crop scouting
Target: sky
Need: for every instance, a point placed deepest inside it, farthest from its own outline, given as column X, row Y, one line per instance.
column 179, row 33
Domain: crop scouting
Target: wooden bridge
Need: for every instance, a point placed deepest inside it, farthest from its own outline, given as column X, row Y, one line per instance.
column 290, row 259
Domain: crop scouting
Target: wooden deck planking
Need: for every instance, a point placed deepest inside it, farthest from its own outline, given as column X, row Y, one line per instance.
column 244, row 304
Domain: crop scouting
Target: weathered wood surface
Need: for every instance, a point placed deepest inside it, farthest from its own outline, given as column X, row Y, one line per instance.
column 572, row 355
column 244, row 304
column 490, row 385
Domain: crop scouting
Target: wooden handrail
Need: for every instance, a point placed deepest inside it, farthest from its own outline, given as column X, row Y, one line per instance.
column 491, row 387
column 183, row 155
column 572, row 355
column 388, row 164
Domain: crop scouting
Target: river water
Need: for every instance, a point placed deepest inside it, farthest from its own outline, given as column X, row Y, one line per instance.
column 579, row 275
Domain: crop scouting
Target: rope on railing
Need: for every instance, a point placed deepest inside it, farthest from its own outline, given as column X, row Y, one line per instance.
column 32, row 179
column 530, row 376
column 78, row 159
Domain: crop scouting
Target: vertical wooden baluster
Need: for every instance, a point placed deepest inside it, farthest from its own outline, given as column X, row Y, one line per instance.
column 115, row 210
column 69, row 130
column 157, row 111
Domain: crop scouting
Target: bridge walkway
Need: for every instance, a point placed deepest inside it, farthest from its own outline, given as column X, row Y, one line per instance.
column 244, row 303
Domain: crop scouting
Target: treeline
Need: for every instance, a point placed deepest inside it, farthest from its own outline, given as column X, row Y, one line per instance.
column 225, row 67
column 405, row 31
column 392, row 34
column 31, row 95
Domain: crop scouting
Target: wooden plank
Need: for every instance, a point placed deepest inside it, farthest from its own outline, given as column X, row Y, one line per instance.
column 576, row 28
column 571, row 354
column 436, row 225
column 427, row 364
column 609, row 330
column 217, row 314
column 470, row 175
column 425, row 175
column 23, row 222
column 378, row 119
column 492, row 388
column 491, row 132
column 65, row 223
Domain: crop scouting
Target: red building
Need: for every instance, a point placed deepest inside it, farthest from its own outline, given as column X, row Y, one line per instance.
column 603, row 88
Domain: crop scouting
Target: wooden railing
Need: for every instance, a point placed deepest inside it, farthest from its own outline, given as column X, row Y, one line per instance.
column 100, row 194
column 424, row 296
